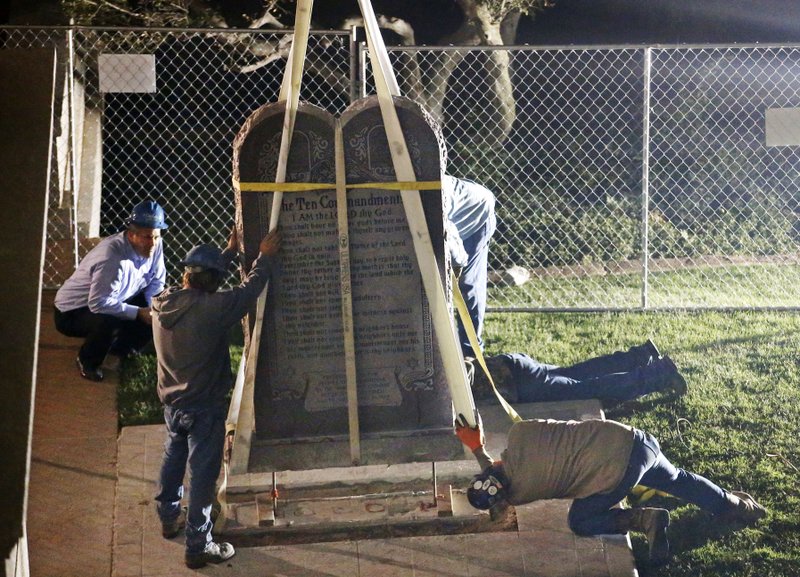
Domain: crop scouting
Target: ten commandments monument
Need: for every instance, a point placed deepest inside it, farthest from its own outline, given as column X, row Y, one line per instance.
column 300, row 391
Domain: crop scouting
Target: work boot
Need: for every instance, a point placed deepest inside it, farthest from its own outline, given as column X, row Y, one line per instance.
column 653, row 523
column 214, row 553
column 88, row 372
column 646, row 353
column 674, row 381
column 170, row 529
column 501, row 374
column 741, row 508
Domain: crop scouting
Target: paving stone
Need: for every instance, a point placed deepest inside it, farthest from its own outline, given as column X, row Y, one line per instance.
column 116, row 531
column 550, row 562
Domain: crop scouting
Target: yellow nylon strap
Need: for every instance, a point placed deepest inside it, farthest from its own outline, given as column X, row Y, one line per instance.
column 312, row 186
column 463, row 314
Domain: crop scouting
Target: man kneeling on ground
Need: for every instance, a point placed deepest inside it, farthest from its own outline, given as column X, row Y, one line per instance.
column 596, row 463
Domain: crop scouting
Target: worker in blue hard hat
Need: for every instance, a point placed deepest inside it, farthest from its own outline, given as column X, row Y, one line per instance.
column 191, row 324
column 106, row 301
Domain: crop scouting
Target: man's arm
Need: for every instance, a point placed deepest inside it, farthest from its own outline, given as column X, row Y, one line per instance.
column 232, row 248
column 158, row 275
column 242, row 297
column 474, row 439
column 105, row 287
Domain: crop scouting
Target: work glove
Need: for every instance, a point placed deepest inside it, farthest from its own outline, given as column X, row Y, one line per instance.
column 472, row 437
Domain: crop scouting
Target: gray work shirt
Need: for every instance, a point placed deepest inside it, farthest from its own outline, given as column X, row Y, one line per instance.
column 190, row 333
column 549, row 459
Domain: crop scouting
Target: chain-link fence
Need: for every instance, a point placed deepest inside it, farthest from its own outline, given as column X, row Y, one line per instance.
column 632, row 177
column 626, row 177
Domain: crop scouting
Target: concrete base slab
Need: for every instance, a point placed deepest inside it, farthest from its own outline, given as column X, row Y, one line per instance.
column 541, row 544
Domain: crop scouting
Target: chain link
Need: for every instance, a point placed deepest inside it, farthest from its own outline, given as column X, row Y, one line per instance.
column 626, row 177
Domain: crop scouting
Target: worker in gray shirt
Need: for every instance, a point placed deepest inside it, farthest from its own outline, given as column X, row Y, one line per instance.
column 191, row 324
column 596, row 463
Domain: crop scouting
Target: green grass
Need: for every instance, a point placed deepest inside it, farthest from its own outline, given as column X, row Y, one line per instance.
column 739, row 425
column 753, row 285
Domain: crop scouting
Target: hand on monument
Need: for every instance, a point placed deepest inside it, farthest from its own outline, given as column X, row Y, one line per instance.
column 472, row 437
column 271, row 243
column 227, row 453
column 233, row 240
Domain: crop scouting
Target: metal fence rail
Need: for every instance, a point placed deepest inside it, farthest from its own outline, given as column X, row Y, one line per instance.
column 626, row 177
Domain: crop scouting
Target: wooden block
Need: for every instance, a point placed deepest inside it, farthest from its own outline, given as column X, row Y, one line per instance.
column 461, row 507
column 444, row 503
column 265, row 512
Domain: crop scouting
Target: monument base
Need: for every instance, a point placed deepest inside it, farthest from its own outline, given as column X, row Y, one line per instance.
column 356, row 503
column 334, row 451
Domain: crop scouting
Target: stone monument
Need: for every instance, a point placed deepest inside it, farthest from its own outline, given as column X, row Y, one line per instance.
column 300, row 393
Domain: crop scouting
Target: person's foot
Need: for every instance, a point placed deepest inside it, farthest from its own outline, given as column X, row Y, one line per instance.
column 501, row 375
column 123, row 351
column 653, row 523
column 88, row 372
column 214, row 553
column 674, row 381
column 647, row 353
column 171, row 529
column 741, row 508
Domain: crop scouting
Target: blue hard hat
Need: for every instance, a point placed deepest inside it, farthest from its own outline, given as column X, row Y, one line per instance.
column 147, row 214
column 487, row 488
column 205, row 257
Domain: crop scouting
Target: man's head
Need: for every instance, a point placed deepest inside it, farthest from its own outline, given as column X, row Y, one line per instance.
column 144, row 227
column 488, row 488
column 203, row 268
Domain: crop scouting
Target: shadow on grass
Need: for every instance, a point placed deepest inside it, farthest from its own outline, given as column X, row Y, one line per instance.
column 692, row 530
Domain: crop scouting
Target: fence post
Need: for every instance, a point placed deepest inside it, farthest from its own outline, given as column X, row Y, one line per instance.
column 646, row 177
column 73, row 160
column 354, row 69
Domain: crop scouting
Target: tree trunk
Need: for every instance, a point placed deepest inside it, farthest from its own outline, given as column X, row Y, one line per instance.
column 479, row 29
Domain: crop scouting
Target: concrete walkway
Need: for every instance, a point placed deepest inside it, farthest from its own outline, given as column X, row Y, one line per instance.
column 91, row 510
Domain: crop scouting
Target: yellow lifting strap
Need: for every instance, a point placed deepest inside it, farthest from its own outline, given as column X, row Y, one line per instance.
column 315, row 186
column 463, row 314
column 639, row 494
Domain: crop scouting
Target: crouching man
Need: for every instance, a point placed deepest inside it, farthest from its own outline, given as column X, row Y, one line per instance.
column 191, row 324
column 596, row 463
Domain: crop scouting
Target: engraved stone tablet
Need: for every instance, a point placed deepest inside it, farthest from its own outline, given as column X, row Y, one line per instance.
column 300, row 391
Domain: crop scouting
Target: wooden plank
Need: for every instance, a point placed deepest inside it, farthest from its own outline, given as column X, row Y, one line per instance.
column 348, row 331
column 290, row 91
column 444, row 503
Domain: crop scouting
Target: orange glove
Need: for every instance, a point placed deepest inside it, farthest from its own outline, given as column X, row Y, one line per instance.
column 472, row 437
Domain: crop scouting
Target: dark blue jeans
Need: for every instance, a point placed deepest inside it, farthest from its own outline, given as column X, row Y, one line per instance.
column 616, row 377
column 472, row 282
column 647, row 466
column 103, row 332
column 196, row 437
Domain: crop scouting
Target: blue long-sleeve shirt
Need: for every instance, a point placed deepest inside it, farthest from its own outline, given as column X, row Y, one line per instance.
column 109, row 275
column 468, row 206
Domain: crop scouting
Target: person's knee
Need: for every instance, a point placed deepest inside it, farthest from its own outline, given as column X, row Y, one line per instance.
column 577, row 523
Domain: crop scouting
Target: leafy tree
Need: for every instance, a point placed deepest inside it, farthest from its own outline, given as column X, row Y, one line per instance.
column 439, row 22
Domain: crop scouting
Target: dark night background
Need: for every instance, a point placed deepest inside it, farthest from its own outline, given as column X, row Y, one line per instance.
column 575, row 22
